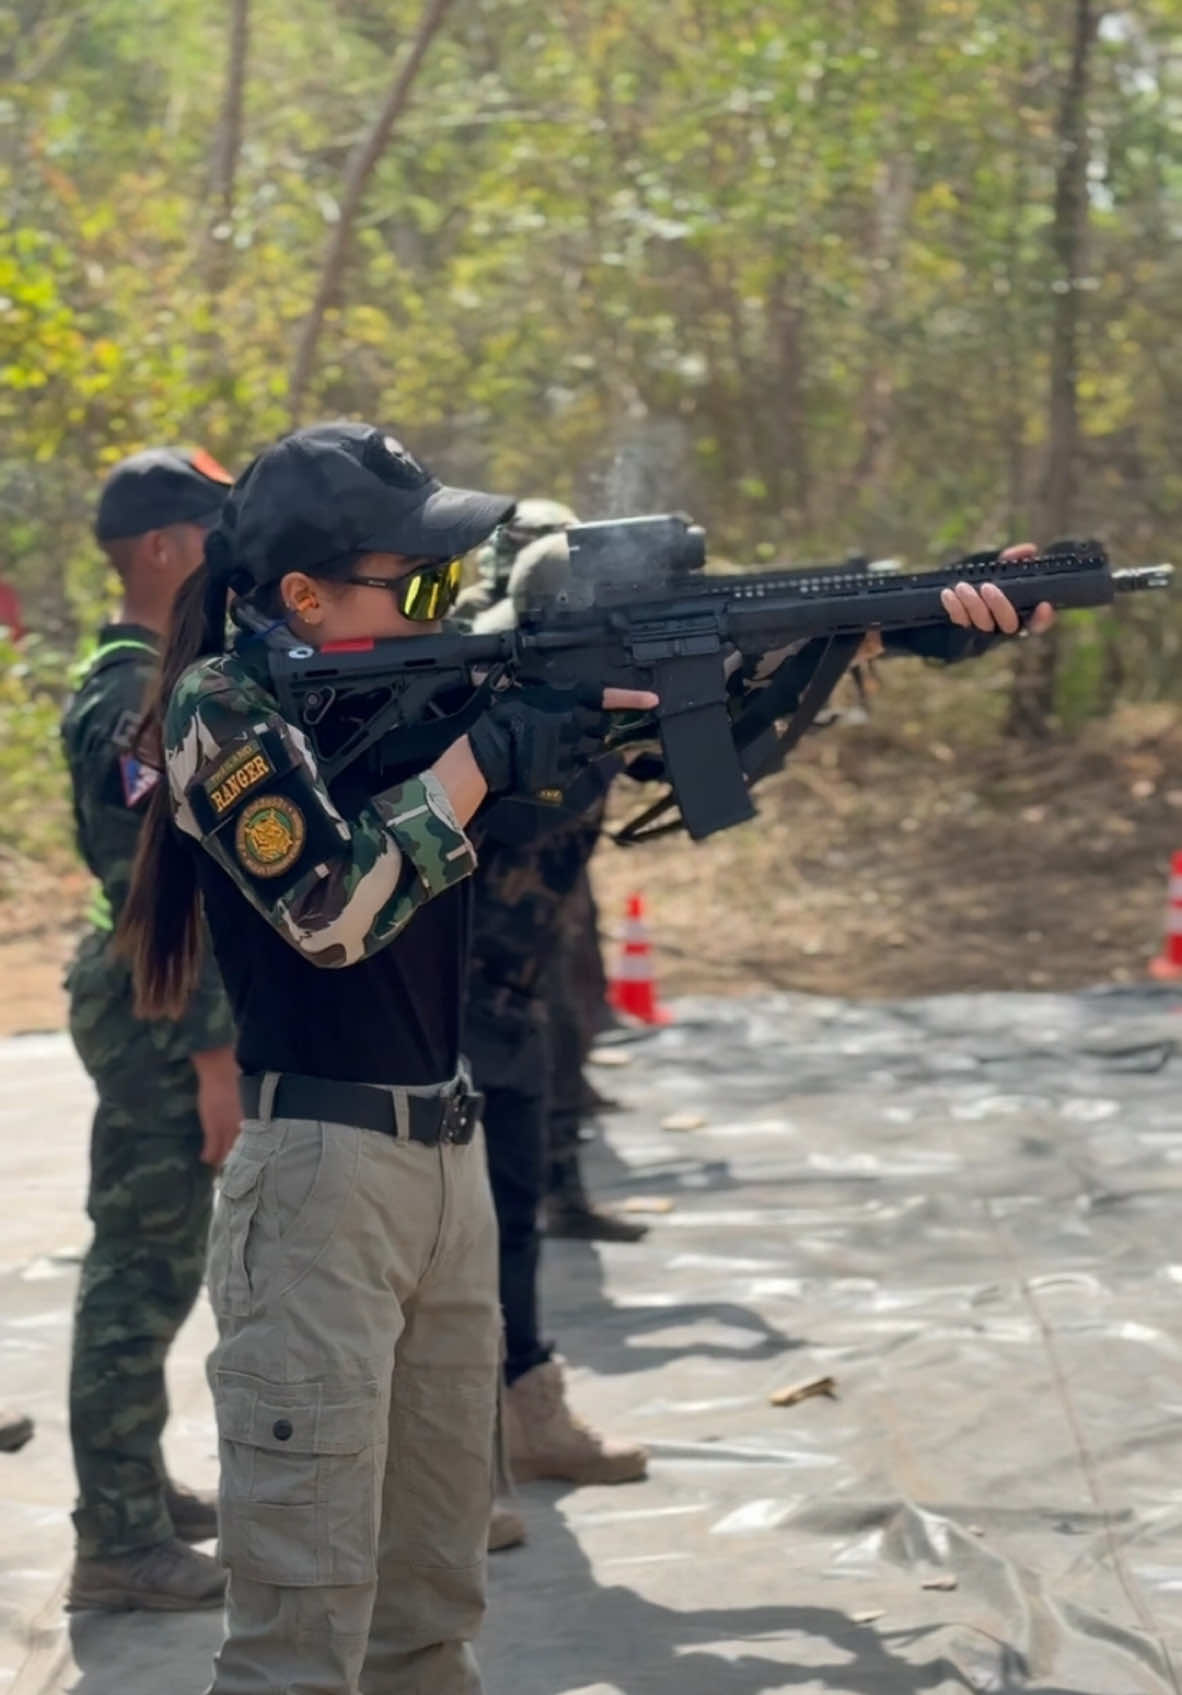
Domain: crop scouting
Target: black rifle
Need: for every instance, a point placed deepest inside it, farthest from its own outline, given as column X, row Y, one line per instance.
column 635, row 610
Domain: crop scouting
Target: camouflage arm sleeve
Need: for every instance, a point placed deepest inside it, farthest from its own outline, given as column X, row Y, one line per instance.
column 245, row 784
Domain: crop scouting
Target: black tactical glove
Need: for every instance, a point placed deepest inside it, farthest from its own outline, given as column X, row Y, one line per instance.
column 534, row 738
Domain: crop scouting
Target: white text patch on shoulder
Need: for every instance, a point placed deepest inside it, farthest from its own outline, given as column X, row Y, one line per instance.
column 242, row 771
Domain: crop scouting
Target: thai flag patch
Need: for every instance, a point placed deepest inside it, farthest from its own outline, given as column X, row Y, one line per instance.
column 138, row 779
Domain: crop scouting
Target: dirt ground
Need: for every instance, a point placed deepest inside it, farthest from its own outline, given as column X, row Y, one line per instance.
column 40, row 916
column 921, row 854
column 912, row 854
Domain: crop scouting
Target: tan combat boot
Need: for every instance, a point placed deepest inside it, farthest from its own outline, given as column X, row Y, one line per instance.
column 170, row 1577
column 506, row 1528
column 194, row 1516
column 546, row 1440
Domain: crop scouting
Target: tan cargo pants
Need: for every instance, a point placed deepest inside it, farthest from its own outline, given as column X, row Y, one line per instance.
column 354, row 1279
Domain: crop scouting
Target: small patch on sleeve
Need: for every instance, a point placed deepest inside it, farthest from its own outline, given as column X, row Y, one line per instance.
column 257, row 806
column 126, row 728
column 269, row 836
column 243, row 768
column 137, row 778
column 237, row 776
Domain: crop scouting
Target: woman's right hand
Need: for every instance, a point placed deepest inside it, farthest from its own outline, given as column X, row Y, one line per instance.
column 462, row 768
column 219, row 1110
column 534, row 737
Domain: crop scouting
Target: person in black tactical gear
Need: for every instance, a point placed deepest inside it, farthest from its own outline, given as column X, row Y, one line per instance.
column 531, row 520
column 522, row 557
column 519, row 1042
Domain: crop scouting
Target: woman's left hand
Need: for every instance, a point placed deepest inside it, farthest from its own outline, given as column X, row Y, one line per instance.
column 989, row 609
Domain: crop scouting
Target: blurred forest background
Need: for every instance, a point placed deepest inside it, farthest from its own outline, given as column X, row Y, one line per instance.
column 890, row 276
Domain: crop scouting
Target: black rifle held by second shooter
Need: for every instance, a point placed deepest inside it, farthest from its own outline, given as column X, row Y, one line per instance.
column 636, row 610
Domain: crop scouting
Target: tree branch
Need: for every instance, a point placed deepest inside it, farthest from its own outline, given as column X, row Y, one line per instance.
column 357, row 173
column 227, row 147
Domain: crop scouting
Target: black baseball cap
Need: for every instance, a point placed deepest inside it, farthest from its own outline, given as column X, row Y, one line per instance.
column 332, row 491
column 161, row 486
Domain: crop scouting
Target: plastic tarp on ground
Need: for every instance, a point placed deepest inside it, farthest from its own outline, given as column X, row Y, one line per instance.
column 966, row 1212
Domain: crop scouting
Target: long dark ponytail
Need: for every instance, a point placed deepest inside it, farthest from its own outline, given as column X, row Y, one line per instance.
column 159, row 928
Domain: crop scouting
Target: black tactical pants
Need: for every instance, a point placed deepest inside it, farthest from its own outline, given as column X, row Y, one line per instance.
column 576, row 1001
column 515, row 1137
column 565, row 1097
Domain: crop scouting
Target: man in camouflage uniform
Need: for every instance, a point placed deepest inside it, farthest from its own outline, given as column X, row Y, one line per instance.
column 167, row 1092
column 523, row 886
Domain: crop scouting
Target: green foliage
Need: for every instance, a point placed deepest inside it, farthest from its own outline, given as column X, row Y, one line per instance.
column 1081, row 678
column 784, row 265
column 805, row 246
column 34, row 820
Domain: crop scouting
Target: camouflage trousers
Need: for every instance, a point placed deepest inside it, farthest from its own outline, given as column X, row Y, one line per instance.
column 149, row 1201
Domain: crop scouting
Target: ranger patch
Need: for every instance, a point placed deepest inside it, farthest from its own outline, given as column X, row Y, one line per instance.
column 244, row 770
column 270, row 835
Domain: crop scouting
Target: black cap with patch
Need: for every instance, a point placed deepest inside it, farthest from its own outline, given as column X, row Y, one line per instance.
column 333, row 491
column 161, row 486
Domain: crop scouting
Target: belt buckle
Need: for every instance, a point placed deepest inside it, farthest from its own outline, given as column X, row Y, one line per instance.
column 461, row 1114
column 454, row 1119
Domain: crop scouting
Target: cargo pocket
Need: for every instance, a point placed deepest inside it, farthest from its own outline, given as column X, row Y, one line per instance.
column 298, row 1487
column 228, row 1269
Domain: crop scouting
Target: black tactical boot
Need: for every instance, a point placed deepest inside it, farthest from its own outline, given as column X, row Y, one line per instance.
column 568, row 1214
column 592, row 1103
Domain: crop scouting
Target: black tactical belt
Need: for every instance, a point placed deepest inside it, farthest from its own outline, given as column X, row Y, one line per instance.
column 449, row 1115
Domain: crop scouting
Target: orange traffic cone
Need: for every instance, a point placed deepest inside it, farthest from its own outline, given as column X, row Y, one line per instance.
column 633, row 990
column 1169, row 961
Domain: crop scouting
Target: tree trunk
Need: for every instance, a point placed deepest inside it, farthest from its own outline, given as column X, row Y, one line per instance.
column 227, row 146
column 788, row 416
column 893, row 199
column 1036, row 668
column 357, row 173
column 1013, row 407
